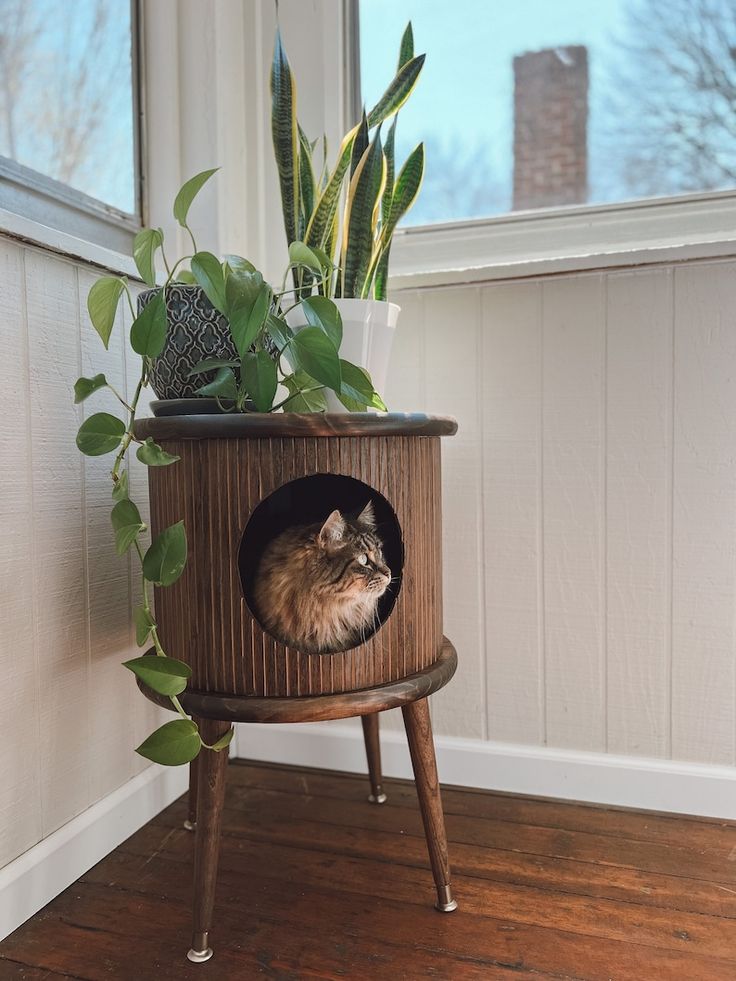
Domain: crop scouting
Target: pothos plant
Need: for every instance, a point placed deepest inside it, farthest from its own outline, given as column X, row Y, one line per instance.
column 304, row 362
column 353, row 247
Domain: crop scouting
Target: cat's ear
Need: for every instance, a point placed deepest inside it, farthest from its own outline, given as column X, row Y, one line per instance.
column 367, row 517
column 332, row 530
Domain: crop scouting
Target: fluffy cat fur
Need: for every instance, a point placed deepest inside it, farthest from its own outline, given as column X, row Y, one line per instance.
column 317, row 586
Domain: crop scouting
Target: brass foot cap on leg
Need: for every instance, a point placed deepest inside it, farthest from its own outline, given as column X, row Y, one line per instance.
column 199, row 956
column 190, row 825
column 445, row 903
column 378, row 798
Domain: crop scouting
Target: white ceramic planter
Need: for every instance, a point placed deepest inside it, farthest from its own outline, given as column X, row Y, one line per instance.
column 368, row 328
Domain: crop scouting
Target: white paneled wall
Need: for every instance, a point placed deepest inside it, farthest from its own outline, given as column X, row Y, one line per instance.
column 589, row 504
column 70, row 713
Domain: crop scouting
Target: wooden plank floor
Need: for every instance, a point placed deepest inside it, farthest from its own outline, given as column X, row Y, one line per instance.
column 316, row 883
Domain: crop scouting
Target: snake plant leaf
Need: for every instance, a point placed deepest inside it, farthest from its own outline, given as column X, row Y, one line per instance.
column 102, row 304
column 381, row 271
column 361, row 212
column 285, row 136
column 208, row 273
column 380, row 280
column 164, row 561
column 320, row 224
column 188, row 193
column 306, row 182
column 126, row 523
column 406, row 189
column 145, row 245
column 398, row 91
column 406, row 49
column 260, row 378
column 173, row 744
column 360, row 144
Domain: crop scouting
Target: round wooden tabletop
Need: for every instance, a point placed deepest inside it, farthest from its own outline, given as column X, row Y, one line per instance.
column 316, row 708
column 254, row 425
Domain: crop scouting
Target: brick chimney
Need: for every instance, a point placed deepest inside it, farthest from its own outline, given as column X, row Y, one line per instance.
column 550, row 127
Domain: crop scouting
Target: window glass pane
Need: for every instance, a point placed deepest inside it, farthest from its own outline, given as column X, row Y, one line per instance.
column 535, row 104
column 66, row 91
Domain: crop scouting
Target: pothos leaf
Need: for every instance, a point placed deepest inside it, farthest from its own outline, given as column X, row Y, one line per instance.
column 164, row 675
column 165, row 560
column 153, row 455
column 187, row 194
column 127, row 524
column 173, row 744
column 102, row 304
column 84, row 387
column 100, row 434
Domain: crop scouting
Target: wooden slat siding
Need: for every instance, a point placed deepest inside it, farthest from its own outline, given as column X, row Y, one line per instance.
column 574, row 344
column 512, row 501
column 203, row 618
column 638, row 498
column 704, row 520
column 60, row 610
column 451, row 329
column 107, row 576
column 20, row 787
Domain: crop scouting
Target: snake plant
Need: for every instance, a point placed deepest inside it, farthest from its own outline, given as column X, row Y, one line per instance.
column 350, row 249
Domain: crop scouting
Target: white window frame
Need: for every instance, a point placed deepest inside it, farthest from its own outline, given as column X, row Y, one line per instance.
column 527, row 243
column 51, row 213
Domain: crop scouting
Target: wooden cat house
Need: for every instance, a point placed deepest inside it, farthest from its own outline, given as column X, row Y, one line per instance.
column 241, row 480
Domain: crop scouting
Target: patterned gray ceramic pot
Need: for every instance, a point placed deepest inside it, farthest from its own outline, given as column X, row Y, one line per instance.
column 196, row 331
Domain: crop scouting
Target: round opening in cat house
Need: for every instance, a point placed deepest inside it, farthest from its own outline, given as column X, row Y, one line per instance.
column 320, row 563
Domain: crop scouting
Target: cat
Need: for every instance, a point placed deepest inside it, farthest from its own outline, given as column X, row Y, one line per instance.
column 317, row 586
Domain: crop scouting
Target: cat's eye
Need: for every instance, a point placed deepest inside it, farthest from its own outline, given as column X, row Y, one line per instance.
column 363, row 559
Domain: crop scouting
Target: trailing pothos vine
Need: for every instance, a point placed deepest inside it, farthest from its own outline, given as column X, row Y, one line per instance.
column 304, row 362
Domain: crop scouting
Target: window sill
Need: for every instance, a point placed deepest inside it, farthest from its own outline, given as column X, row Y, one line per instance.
column 62, row 243
column 565, row 240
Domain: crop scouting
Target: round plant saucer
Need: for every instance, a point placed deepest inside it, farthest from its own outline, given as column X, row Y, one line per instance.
column 189, row 407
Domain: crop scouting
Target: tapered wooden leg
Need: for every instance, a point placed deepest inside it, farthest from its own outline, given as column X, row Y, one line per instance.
column 373, row 752
column 210, row 800
column 190, row 822
column 421, row 747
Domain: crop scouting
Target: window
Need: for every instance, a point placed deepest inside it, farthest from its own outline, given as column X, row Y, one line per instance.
column 533, row 105
column 68, row 129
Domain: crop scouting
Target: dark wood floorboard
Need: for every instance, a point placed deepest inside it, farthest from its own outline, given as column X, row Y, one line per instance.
column 316, row 883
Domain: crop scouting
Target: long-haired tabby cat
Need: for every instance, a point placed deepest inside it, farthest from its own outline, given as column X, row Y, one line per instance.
column 317, row 586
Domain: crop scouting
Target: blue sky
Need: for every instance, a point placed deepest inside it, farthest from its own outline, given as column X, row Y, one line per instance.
column 464, row 95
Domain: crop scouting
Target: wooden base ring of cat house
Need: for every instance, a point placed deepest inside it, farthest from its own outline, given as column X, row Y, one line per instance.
column 250, row 488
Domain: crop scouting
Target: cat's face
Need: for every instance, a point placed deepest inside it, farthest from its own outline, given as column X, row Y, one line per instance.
column 350, row 556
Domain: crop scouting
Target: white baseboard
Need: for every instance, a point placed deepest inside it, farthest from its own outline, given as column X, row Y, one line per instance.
column 41, row 873
column 622, row 781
